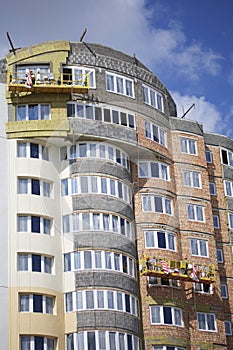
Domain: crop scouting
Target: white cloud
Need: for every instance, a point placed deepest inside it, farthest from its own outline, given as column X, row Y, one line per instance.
column 204, row 111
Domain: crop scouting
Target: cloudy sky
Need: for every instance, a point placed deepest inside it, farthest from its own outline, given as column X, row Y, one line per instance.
column 187, row 43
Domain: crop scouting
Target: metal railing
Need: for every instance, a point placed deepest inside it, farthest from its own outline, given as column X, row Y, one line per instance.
column 181, row 269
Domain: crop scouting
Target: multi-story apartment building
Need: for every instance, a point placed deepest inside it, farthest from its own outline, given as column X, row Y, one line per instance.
column 117, row 215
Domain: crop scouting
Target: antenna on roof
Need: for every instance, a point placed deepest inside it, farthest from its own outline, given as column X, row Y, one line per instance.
column 193, row 105
column 13, row 49
column 83, row 34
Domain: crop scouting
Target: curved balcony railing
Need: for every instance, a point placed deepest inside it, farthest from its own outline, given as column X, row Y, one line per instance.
column 180, row 270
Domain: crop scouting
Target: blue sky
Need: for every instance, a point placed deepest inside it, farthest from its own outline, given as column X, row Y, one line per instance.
column 186, row 43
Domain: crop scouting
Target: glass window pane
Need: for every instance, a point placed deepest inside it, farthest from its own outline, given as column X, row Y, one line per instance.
column 91, row 341
column 34, row 150
column 22, row 262
column 89, row 299
column 36, row 263
column 33, row 112
column 149, row 237
column 22, row 223
column 21, row 113
column 37, row 303
column 35, row 224
column 24, row 303
column 161, row 240
column 47, row 264
column 45, row 112
column 158, row 204
column 25, row 343
column 100, row 299
column 154, row 169
column 167, row 314
column 87, row 260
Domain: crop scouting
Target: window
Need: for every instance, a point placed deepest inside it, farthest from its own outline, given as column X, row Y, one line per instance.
column 212, row 186
column 33, row 112
column 188, row 146
column 206, row 322
column 97, row 221
column 101, row 299
column 119, row 84
column 220, row 255
column 35, row 263
column 160, row 239
column 96, row 184
column 209, row 156
column 152, row 97
column 203, row 288
column 36, row 303
column 32, row 150
column 79, row 76
column 34, row 186
column 34, row 224
column 199, row 247
column 164, row 347
column 227, row 157
column 224, row 293
column 195, row 212
column 103, row 114
column 158, row 281
column 155, row 133
column 96, row 150
column 102, row 340
column 228, row 188
column 154, row 170
column 166, row 315
column 230, row 218
column 228, row 327
column 157, row 204
column 37, row 343
column 216, row 221
column 192, row 179
column 85, row 260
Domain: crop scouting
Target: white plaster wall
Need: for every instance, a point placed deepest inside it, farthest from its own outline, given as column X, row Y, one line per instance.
column 3, row 220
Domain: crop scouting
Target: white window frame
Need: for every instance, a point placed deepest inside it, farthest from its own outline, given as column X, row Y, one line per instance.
column 28, row 259
column 24, row 224
column 195, row 208
column 228, row 155
column 160, row 314
column 228, row 327
column 216, row 221
column 200, row 288
column 145, row 170
column 212, row 186
column 48, row 301
column 228, row 185
column 188, row 146
column 209, row 156
column 24, row 150
column 27, row 187
column 48, row 342
column 199, row 244
column 159, row 137
column 165, row 282
column 165, row 347
column 148, row 204
column 224, row 290
column 99, row 260
column 114, row 88
column 220, row 258
column 206, row 317
column 192, row 178
column 230, row 219
column 84, row 71
column 152, row 98
column 26, row 114
column 155, row 239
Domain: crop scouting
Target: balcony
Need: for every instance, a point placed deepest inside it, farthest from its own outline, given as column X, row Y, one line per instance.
column 64, row 83
column 180, row 270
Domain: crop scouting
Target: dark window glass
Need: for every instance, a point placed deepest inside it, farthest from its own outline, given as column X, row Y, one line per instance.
column 155, row 133
column 131, row 121
column 33, row 112
column 161, row 240
column 35, row 187
column 36, row 263
column 167, row 314
column 115, row 117
column 37, row 303
column 39, row 343
column 123, row 119
column 127, row 303
column 34, row 150
column 154, row 169
column 71, row 110
column 124, row 264
column 224, row 157
column 35, row 224
column 158, row 205
column 91, row 341
column 130, row 344
column 107, row 117
column 98, row 113
column 89, row 112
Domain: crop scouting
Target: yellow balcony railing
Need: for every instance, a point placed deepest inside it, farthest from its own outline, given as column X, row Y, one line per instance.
column 48, row 83
column 180, row 270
